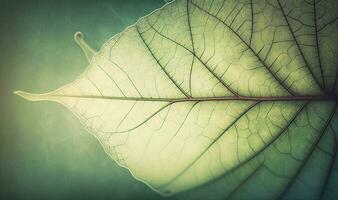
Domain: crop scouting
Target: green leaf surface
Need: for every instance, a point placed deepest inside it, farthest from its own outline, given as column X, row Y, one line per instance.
column 236, row 97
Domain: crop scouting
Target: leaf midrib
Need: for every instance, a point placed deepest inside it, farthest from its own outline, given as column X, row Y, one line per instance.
column 221, row 98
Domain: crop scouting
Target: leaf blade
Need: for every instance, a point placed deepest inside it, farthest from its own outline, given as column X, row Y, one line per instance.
column 162, row 101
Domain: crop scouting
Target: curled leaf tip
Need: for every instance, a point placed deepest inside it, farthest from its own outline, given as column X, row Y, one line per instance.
column 86, row 48
column 31, row 97
column 78, row 34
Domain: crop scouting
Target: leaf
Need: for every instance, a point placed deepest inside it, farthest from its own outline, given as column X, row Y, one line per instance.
column 238, row 94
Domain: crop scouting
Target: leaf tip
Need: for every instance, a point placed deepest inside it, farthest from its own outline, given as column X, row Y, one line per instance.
column 87, row 50
column 29, row 96
column 78, row 36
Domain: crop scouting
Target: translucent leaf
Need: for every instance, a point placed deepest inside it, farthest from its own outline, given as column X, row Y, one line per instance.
column 238, row 97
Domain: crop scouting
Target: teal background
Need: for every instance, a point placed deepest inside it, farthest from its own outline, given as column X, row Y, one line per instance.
column 45, row 152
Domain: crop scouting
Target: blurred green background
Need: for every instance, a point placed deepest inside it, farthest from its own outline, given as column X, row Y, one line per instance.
column 45, row 152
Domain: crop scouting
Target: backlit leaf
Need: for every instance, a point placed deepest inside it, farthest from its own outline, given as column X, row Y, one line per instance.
column 236, row 97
